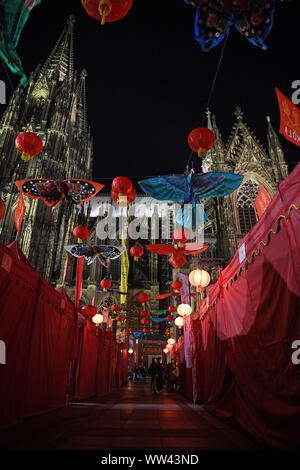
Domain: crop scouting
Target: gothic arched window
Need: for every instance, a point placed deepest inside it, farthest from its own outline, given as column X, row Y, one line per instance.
column 246, row 197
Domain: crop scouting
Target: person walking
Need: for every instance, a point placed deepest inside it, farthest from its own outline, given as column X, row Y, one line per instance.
column 160, row 380
column 153, row 371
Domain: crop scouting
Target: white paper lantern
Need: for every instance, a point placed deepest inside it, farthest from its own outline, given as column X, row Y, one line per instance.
column 97, row 319
column 184, row 310
column 199, row 278
column 171, row 341
column 179, row 322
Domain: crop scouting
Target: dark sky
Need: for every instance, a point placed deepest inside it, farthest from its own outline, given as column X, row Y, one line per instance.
column 148, row 80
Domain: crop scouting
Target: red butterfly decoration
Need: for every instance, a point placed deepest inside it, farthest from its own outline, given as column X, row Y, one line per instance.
column 177, row 260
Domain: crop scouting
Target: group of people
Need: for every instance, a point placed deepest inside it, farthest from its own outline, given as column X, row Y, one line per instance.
column 159, row 374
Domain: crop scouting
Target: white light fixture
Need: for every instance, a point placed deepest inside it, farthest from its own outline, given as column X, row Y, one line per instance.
column 199, row 279
column 179, row 322
column 184, row 310
column 171, row 341
column 97, row 319
column 165, row 350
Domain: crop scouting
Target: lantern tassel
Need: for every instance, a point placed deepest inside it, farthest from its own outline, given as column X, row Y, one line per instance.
column 79, row 240
column 25, row 156
column 201, row 152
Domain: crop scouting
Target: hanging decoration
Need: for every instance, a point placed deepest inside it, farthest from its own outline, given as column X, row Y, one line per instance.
column 53, row 192
column 104, row 253
column 14, row 15
column 152, row 330
column 124, row 265
column 201, row 140
column 78, row 283
column 179, row 322
column 184, row 310
column 105, row 284
column 289, row 118
column 29, row 144
column 252, row 18
column 136, row 251
column 19, row 214
column 144, row 321
column 81, row 233
column 144, row 313
column 88, row 311
column 178, row 249
column 199, row 279
column 2, row 208
column 107, row 10
column 187, row 189
column 143, row 298
column 115, row 308
column 122, row 191
column 176, row 286
column 169, row 318
column 171, row 309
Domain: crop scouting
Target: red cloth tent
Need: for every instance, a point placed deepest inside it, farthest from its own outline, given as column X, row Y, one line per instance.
column 242, row 348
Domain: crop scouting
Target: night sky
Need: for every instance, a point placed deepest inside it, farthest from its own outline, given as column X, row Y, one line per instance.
column 148, row 80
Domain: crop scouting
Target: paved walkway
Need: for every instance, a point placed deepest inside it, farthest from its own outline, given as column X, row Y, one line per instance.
column 131, row 418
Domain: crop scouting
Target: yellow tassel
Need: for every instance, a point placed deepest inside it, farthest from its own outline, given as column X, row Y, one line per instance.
column 135, row 258
column 201, row 152
column 79, row 240
column 180, row 245
column 25, row 156
column 104, row 12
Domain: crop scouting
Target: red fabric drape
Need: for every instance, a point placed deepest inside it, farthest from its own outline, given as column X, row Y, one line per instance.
column 86, row 382
column 242, row 348
column 36, row 324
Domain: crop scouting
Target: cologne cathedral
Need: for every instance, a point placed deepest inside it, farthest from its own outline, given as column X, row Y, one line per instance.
column 53, row 106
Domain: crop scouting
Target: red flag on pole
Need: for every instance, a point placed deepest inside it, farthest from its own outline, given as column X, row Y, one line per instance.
column 289, row 119
column 19, row 214
column 262, row 201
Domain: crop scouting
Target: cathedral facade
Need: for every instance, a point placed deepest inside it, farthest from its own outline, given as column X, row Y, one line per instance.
column 54, row 107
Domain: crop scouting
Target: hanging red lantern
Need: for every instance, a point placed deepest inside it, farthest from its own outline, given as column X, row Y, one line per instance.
column 81, row 233
column 105, row 284
column 120, row 188
column 119, row 318
column 88, row 311
column 180, row 236
column 152, row 330
column 171, row 309
column 176, row 285
column 130, row 330
column 201, row 140
column 145, row 330
column 107, row 10
column 121, row 329
column 167, row 332
column 115, row 308
column 169, row 318
column 144, row 313
column 144, row 321
column 143, row 298
column 127, row 334
column 29, row 144
column 136, row 251
column 2, row 208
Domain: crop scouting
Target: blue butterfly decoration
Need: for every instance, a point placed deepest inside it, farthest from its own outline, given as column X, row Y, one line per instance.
column 187, row 189
column 254, row 19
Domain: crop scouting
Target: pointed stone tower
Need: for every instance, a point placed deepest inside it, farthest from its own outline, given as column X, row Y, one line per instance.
column 231, row 217
column 53, row 106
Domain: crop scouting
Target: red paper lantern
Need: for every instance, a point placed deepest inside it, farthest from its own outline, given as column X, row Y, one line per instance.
column 136, row 251
column 167, row 332
column 127, row 334
column 145, row 330
column 152, row 330
column 121, row 185
column 29, row 144
column 176, row 285
column 107, row 10
column 180, row 236
column 144, row 313
column 105, row 284
column 130, row 330
column 169, row 318
column 88, row 311
column 144, row 321
column 171, row 309
column 121, row 329
column 201, row 140
column 2, row 208
column 143, row 298
column 115, row 308
column 81, row 233
column 119, row 318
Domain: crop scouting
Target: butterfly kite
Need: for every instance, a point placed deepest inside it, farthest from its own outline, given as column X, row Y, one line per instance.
column 177, row 260
column 104, row 253
column 252, row 18
column 53, row 192
column 187, row 189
